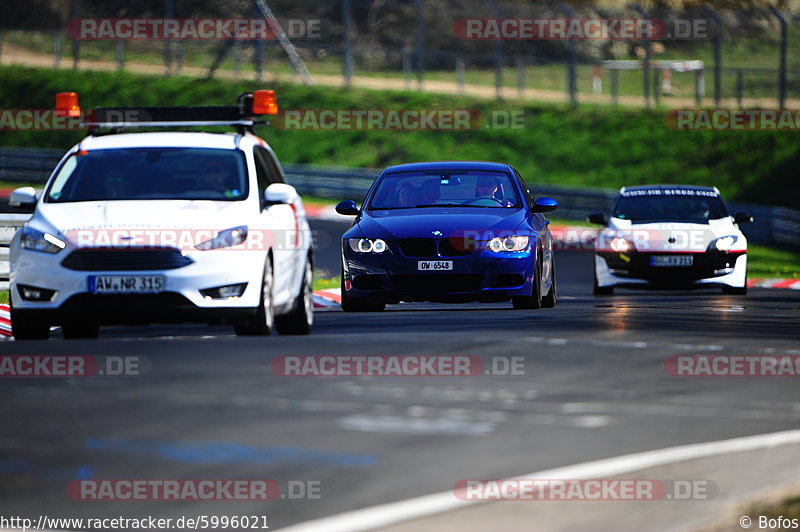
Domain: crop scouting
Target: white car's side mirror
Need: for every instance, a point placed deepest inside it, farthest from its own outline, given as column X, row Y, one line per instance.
column 277, row 193
column 24, row 197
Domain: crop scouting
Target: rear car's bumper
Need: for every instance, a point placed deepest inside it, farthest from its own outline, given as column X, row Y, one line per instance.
column 636, row 270
column 476, row 276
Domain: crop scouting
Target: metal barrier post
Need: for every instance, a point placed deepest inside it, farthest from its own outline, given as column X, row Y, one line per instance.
column 348, row 52
column 76, row 43
column 717, row 56
column 460, row 74
column 57, row 49
column 782, row 60
column 614, row 86
column 739, row 88
column 120, row 54
column 420, row 44
column 407, row 69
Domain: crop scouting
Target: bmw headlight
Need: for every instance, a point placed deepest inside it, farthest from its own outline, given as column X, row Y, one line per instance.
column 39, row 241
column 508, row 244
column 723, row 243
column 225, row 239
column 367, row 245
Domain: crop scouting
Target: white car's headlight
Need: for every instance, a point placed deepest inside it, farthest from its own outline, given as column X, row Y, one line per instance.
column 367, row 245
column 225, row 239
column 39, row 241
column 510, row 243
column 621, row 245
column 723, row 243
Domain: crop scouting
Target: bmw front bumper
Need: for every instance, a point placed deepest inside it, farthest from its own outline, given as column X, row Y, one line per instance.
column 391, row 276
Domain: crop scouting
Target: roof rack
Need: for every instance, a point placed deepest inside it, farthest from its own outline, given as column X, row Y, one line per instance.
column 242, row 116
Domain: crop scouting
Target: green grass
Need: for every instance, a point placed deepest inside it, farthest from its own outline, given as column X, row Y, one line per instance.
column 323, row 281
column 595, row 146
column 788, row 508
column 770, row 262
column 4, row 297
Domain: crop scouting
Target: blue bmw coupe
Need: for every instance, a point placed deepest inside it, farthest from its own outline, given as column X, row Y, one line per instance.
column 448, row 232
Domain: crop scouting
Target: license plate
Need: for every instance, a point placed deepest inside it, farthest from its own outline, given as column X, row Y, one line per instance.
column 434, row 265
column 126, row 284
column 671, row 260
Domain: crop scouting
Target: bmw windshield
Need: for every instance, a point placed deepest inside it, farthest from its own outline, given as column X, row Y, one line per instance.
column 444, row 188
column 150, row 173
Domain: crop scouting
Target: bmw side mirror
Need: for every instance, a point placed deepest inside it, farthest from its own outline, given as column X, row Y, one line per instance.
column 347, row 208
column 544, row 205
column 597, row 218
column 23, row 198
column 742, row 218
column 280, row 193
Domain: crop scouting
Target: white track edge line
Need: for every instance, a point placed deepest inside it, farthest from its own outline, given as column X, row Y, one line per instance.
column 392, row 513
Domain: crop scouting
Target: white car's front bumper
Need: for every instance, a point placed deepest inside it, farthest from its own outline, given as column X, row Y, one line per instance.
column 181, row 292
column 610, row 273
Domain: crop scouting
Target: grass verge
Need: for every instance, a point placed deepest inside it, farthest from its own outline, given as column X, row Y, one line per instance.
column 594, row 146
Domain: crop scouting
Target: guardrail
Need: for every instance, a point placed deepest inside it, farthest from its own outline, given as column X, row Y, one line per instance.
column 9, row 223
column 774, row 226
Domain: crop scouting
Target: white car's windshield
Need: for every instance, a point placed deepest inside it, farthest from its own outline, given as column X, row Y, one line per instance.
column 461, row 188
column 649, row 208
column 150, row 173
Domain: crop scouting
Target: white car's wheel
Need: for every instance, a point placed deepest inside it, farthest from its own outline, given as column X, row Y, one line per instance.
column 261, row 323
column 301, row 318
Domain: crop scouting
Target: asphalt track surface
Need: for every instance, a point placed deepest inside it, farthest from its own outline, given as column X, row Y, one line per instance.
column 210, row 407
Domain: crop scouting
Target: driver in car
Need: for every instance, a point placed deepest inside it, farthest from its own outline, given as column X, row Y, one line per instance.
column 217, row 177
column 487, row 188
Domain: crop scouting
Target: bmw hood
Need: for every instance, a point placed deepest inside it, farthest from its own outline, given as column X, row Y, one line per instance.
column 438, row 222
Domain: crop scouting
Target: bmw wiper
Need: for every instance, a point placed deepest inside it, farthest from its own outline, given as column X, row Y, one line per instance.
column 446, row 205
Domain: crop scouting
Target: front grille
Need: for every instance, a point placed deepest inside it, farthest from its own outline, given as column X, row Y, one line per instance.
column 418, row 247
column 89, row 260
column 116, row 302
column 437, row 283
column 462, row 247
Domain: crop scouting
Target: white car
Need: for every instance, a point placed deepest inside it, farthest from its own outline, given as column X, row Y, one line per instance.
column 670, row 236
column 144, row 227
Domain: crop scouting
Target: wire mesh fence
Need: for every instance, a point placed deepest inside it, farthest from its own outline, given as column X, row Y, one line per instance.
column 423, row 45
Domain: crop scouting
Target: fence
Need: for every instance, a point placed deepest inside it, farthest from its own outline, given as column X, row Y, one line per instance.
column 415, row 45
column 773, row 226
